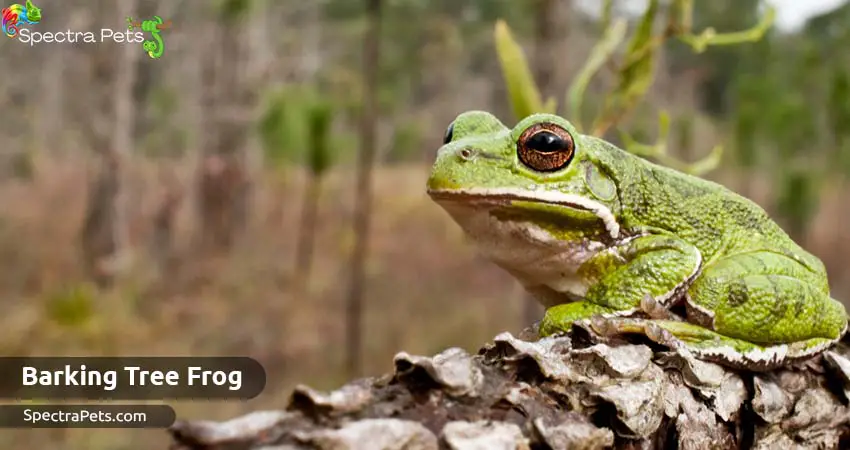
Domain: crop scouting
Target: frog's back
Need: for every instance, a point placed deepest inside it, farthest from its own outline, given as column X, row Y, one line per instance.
column 710, row 216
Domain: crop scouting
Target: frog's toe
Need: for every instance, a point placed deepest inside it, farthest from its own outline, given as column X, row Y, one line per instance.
column 560, row 318
column 655, row 310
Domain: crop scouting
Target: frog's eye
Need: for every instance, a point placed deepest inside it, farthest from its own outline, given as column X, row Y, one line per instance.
column 545, row 147
column 449, row 132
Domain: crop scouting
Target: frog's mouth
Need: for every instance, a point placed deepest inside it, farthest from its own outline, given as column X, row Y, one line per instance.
column 496, row 197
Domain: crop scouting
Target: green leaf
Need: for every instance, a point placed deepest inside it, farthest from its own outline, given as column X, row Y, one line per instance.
column 282, row 127
column 635, row 75
column 320, row 117
column 522, row 89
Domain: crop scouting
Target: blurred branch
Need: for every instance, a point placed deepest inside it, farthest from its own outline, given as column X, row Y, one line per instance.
column 659, row 151
column 635, row 73
column 522, row 89
column 709, row 37
column 601, row 53
column 607, row 10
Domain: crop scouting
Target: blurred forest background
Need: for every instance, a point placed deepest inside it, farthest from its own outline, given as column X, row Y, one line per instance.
column 211, row 202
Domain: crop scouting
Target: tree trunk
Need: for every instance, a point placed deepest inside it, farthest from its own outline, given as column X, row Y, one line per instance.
column 104, row 235
column 52, row 100
column 307, row 230
column 162, row 239
column 146, row 76
column 569, row 392
column 223, row 180
column 363, row 201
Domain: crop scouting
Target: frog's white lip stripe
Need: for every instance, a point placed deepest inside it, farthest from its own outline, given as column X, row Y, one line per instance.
column 542, row 196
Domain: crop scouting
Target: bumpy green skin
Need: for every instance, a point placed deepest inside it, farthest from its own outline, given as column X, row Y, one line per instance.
column 610, row 229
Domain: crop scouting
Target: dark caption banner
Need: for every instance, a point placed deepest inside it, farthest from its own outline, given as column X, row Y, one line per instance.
column 125, row 378
column 86, row 416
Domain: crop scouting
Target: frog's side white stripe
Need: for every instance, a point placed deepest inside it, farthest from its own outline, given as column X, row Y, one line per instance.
column 766, row 355
column 551, row 197
column 775, row 354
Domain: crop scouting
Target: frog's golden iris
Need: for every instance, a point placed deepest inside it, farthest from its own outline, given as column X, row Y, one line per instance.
column 545, row 147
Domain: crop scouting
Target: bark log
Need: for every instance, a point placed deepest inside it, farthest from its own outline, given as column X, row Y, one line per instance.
column 578, row 391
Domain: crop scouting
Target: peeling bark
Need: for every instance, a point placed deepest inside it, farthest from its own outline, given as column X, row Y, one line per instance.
column 579, row 391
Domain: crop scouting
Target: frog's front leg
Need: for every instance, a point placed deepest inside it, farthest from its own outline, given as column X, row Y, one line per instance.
column 659, row 266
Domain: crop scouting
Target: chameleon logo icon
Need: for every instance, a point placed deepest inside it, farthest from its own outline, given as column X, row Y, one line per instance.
column 16, row 15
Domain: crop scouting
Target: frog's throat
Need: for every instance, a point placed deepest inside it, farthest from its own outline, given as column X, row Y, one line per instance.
column 504, row 196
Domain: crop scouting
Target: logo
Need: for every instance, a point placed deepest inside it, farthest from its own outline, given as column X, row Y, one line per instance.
column 153, row 47
column 16, row 16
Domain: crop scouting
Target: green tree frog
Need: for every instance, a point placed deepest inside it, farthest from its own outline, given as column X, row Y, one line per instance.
column 592, row 231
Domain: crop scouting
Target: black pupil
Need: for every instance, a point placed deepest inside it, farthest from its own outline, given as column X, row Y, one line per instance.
column 546, row 142
column 448, row 137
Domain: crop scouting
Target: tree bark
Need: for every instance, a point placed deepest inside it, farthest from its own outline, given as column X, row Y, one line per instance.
column 363, row 200
column 568, row 392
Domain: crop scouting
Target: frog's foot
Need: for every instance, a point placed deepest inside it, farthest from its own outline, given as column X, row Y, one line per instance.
column 560, row 318
column 711, row 346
